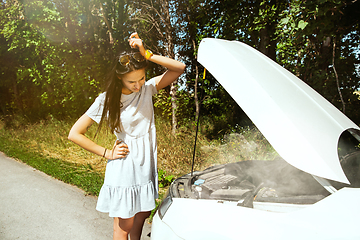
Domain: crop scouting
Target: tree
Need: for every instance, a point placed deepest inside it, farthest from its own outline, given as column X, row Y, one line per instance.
column 54, row 54
column 321, row 38
column 60, row 51
column 160, row 20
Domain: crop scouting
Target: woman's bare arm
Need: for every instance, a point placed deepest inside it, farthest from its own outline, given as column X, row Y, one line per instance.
column 77, row 135
column 174, row 68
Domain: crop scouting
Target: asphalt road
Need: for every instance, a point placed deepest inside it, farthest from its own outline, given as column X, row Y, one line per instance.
column 34, row 205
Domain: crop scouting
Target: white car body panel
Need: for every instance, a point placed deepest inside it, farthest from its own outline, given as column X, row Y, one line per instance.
column 161, row 231
column 212, row 220
column 301, row 125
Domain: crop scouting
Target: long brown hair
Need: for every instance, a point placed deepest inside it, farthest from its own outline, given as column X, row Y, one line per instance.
column 113, row 88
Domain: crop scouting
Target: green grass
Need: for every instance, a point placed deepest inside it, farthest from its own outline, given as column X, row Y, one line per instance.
column 44, row 146
column 67, row 172
column 79, row 175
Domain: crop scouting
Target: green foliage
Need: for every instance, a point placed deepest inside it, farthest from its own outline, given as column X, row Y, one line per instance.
column 54, row 56
column 58, row 59
column 45, row 146
column 310, row 34
column 162, row 104
column 164, row 179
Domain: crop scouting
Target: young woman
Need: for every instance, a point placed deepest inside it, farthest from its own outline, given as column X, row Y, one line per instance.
column 130, row 185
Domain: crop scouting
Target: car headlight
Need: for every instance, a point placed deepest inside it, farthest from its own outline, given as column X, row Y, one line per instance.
column 164, row 205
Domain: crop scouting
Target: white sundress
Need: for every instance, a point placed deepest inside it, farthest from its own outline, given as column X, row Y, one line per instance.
column 131, row 183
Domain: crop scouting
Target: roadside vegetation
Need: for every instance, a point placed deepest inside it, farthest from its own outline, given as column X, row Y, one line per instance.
column 44, row 146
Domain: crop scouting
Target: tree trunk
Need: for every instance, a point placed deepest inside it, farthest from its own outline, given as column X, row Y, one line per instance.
column 197, row 105
column 337, row 78
column 173, row 86
column 173, row 94
column 109, row 27
column 17, row 101
column 159, row 18
column 267, row 46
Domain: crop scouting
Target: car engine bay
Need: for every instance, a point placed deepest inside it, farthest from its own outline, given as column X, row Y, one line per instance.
column 256, row 181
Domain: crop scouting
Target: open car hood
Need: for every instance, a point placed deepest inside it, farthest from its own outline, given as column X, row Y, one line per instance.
column 301, row 125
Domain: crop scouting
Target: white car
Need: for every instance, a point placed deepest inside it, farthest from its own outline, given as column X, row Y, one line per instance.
column 307, row 194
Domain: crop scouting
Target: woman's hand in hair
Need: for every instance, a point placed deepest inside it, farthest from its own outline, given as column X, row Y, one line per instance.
column 136, row 42
column 174, row 68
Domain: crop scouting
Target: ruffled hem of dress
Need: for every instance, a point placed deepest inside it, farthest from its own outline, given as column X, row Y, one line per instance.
column 125, row 202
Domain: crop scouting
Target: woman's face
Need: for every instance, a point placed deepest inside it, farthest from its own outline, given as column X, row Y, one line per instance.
column 133, row 81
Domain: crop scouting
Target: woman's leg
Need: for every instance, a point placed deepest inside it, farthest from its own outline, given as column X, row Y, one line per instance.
column 122, row 228
column 137, row 227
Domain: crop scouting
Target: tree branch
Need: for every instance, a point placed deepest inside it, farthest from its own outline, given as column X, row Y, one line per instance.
column 337, row 78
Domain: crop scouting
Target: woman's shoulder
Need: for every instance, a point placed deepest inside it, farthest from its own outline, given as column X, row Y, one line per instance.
column 99, row 100
column 100, row 97
column 151, row 85
column 95, row 110
column 151, row 81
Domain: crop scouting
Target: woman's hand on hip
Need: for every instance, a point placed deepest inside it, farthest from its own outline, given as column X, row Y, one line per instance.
column 120, row 150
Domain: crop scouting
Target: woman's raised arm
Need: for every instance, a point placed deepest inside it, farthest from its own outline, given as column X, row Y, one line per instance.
column 174, row 68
